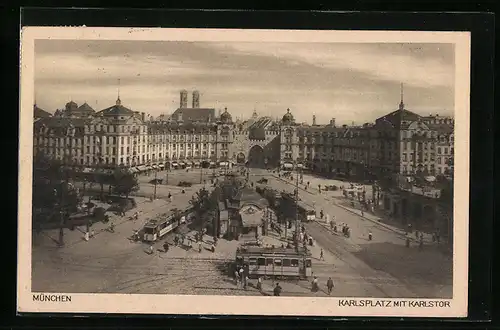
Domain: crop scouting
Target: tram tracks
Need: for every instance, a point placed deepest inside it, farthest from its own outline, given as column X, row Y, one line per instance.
column 368, row 274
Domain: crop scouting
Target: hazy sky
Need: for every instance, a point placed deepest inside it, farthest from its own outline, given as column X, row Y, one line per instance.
column 351, row 82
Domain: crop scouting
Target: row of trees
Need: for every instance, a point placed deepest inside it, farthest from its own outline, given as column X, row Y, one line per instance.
column 53, row 183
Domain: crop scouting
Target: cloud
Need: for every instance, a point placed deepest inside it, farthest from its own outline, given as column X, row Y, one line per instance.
column 368, row 59
column 350, row 82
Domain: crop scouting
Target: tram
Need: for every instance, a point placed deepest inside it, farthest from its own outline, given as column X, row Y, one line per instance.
column 274, row 262
column 157, row 228
column 307, row 213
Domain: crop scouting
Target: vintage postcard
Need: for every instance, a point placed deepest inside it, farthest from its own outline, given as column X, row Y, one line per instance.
column 243, row 172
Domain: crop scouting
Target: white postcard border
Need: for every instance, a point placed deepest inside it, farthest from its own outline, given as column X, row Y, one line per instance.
column 243, row 305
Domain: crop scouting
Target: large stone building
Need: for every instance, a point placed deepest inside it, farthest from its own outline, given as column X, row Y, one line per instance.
column 400, row 142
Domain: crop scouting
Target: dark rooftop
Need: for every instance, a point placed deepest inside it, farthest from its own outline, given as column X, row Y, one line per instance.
column 194, row 114
column 85, row 108
column 396, row 118
column 40, row 113
column 116, row 110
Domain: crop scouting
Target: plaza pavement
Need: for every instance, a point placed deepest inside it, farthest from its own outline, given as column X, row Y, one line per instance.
column 110, row 262
column 426, row 273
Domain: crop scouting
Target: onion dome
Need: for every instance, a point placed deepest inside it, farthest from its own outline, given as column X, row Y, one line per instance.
column 226, row 117
column 288, row 117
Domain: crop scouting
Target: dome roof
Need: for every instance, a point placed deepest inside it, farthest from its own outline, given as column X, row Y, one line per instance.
column 288, row 117
column 226, row 116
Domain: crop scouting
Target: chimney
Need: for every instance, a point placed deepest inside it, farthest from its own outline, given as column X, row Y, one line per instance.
column 314, row 120
column 184, row 99
column 332, row 122
column 196, row 99
column 143, row 116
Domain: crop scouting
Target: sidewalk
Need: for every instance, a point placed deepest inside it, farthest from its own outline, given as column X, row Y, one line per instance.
column 366, row 214
column 146, row 210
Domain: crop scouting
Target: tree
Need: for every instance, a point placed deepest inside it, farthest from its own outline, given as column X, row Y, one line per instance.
column 204, row 204
column 99, row 177
column 125, row 183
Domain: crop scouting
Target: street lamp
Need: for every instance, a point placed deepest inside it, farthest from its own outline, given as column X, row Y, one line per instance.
column 297, row 220
column 156, row 178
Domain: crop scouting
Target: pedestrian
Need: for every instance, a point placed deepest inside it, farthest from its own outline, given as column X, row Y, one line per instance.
column 277, row 290
column 362, row 213
column 199, row 247
column 259, row 284
column 151, row 249
column 370, row 236
column 421, row 244
column 241, row 271
column 86, row 236
column 166, row 247
column 315, row 287
column 329, row 285
column 407, row 241
column 321, row 257
column 236, row 276
column 416, row 234
column 92, row 233
column 245, row 283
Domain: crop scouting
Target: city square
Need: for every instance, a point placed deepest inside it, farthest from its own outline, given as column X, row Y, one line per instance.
column 176, row 202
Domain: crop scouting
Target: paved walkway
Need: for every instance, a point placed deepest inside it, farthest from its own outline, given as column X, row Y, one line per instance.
column 334, row 197
column 123, row 224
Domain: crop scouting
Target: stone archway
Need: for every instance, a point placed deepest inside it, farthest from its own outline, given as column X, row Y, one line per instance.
column 240, row 158
column 256, row 157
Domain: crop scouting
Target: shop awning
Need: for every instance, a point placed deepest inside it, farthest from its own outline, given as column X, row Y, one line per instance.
column 155, row 166
column 175, row 164
column 300, row 166
column 288, row 165
column 182, row 163
column 161, row 165
column 142, row 168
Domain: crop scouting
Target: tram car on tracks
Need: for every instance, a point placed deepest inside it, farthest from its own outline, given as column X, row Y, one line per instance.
column 155, row 229
column 274, row 262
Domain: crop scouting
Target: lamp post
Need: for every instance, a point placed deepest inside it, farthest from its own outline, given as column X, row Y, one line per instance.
column 156, row 183
column 297, row 220
column 201, row 173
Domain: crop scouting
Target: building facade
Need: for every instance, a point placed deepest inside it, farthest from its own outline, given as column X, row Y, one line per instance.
column 400, row 142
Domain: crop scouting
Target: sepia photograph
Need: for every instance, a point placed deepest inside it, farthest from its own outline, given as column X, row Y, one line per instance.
column 242, row 172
